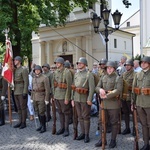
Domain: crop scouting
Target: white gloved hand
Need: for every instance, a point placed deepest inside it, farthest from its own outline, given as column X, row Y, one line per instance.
column 46, row 102
column 2, row 98
column 31, row 100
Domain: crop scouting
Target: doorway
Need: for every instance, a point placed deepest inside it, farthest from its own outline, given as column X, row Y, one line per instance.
column 67, row 57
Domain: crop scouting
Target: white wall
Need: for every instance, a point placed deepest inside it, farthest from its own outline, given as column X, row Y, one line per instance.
column 146, row 21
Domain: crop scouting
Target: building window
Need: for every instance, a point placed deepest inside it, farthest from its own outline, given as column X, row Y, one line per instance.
column 125, row 45
column 115, row 43
column 128, row 24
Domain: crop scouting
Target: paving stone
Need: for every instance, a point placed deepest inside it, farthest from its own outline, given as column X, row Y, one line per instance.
column 29, row 139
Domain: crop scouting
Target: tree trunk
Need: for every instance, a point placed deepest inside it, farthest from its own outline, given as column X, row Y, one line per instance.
column 15, row 29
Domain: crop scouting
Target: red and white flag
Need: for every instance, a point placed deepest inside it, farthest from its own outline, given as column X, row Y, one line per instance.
column 7, row 71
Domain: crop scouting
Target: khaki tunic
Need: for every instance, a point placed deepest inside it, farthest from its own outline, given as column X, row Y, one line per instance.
column 21, row 81
column 127, row 84
column 112, row 83
column 40, row 88
column 49, row 74
column 142, row 80
column 102, row 72
column 62, row 76
column 51, row 84
column 84, row 79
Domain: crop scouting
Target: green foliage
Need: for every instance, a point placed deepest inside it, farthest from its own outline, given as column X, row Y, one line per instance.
column 25, row 16
column 138, row 57
column 2, row 51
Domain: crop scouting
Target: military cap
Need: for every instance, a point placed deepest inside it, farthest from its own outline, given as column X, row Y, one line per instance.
column 59, row 60
column 37, row 67
column 111, row 64
column 103, row 61
column 18, row 58
column 146, row 59
column 46, row 65
column 67, row 64
column 129, row 62
column 82, row 60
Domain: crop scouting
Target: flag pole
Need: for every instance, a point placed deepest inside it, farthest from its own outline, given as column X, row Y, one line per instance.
column 6, row 31
column 9, row 104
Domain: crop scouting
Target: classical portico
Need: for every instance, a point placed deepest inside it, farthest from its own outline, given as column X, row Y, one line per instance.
column 72, row 40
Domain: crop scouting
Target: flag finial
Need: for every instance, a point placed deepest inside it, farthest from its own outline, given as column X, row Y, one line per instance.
column 6, row 31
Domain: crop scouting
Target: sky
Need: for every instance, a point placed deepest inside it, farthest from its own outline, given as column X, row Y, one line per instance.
column 127, row 12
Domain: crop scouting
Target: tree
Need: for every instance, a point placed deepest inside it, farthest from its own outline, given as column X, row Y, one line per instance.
column 138, row 57
column 2, row 51
column 24, row 16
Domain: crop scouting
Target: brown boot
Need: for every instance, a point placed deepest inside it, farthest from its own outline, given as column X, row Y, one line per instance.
column 75, row 134
column 114, row 131
column 20, row 118
column 54, row 129
column 62, row 121
column 87, row 128
column 24, row 115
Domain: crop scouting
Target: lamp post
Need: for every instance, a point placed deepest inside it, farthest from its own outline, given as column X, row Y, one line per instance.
column 105, row 16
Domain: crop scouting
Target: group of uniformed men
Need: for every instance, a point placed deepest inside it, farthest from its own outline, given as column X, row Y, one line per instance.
column 74, row 89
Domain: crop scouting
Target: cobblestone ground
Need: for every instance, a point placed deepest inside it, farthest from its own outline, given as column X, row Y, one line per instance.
column 30, row 139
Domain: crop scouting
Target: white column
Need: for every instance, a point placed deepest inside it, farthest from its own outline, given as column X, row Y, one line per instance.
column 49, row 52
column 78, row 51
column 88, row 49
column 141, row 28
column 42, row 53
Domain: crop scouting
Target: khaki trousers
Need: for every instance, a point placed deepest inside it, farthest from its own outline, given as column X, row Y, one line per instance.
column 40, row 107
column 64, row 113
column 83, row 113
column 144, row 116
column 22, row 108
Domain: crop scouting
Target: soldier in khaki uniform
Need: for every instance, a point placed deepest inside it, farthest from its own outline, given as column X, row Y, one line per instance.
column 62, row 80
column 48, row 73
column 102, row 64
column 141, row 97
column 83, row 91
column 109, row 87
column 103, row 72
column 3, row 90
column 40, row 96
column 126, row 94
column 68, row 66
column 20, row 91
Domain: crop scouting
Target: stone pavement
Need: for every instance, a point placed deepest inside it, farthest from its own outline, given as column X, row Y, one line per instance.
column 30, row 139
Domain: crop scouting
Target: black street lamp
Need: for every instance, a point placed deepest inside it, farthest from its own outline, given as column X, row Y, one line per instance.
column 105, row 15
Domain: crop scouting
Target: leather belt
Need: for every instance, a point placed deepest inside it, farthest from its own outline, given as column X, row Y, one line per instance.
column 38, row 90
column 18, row 82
